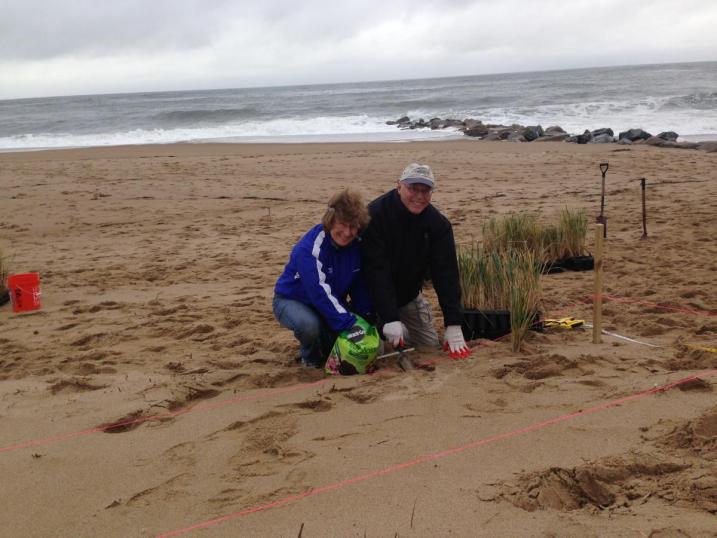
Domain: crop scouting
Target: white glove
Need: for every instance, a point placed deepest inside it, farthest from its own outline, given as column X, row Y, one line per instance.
column 455, row 343
column 395, row 333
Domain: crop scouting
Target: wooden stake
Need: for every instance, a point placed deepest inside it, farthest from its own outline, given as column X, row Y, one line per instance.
column 597, row 293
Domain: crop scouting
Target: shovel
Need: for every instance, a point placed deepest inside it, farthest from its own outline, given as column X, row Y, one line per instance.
column 404, row 361
column 602, row 219
column 644, row 210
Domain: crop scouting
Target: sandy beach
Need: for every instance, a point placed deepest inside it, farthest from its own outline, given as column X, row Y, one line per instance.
column 158, row 265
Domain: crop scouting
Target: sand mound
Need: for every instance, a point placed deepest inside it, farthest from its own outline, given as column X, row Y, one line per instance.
column 615, row 483
column 699, row 436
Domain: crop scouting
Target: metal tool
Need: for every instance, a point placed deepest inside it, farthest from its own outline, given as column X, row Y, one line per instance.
column 602, row 219
column 644, row 210
column 404, row 361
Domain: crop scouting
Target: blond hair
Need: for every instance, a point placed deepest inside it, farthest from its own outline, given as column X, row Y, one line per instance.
column 348, row 207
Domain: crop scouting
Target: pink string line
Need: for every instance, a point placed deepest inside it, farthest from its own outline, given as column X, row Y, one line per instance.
column 182, row 411
column 692, row 311
column 437, row 455
column 207, row 407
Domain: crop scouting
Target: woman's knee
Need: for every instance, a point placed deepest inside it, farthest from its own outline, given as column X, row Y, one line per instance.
column 307, row 329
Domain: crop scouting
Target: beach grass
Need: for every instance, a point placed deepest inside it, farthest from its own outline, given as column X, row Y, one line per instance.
column 505, row 280
column 548, row 242
column 573, row 229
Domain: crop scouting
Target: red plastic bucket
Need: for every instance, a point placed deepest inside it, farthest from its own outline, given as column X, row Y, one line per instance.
column 24, row 291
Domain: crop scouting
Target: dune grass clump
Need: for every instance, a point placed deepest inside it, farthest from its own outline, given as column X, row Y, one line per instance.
column 573, row 230
column 506, row 280
column 525, row 294
column 482, row 279
column 550, row 244
column 513, row 231
column 547, row 241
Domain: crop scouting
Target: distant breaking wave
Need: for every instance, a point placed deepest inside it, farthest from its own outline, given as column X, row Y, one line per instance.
column 220, row 115
column 271, row 131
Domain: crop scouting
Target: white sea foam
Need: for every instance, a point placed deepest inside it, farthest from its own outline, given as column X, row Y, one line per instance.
column 650, row 114
column 322, row 129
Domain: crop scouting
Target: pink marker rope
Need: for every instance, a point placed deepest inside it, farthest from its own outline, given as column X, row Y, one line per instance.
column 182, row 411
column 437, row 455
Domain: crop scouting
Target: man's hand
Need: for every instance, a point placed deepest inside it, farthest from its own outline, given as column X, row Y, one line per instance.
column 395, row 333
column 455, row 344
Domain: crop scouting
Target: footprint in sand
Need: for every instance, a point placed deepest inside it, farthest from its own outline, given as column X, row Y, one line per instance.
column 73, row 385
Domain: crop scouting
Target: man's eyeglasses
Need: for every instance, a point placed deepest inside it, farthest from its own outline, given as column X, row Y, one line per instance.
column 417, row 188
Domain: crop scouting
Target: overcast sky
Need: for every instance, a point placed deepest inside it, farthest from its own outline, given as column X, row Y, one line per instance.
column 94, row 46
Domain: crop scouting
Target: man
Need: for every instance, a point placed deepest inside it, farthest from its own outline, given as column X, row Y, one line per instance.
column 407, row 241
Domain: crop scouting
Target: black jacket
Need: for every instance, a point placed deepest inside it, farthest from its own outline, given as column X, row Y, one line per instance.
column 401, row 249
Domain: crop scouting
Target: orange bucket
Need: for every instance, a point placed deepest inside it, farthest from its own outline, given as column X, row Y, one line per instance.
column 24, row 291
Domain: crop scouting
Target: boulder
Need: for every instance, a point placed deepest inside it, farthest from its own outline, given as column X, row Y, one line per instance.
column 557, row 137
column 554, row 129
column 452, row 123
column 492, row 135
column 585, row 137
column 668, row 135
column 624, row 141
column 634, row 134
column 403, row 119
column 604, row 130
column 709, row 147
column 532, row 132
column 604, row 138
column 436, row 123
column 477, row 129
column 470, row 122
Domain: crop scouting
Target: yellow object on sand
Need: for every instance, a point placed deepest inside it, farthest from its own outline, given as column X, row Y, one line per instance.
column 702, row 348
column 563, row 323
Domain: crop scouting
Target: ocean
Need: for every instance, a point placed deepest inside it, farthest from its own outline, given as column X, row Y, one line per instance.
column 669, row 97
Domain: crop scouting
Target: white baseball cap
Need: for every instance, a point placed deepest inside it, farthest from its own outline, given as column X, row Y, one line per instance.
column 418, row 173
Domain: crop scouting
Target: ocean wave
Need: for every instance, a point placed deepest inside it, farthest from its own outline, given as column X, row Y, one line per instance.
column 647, row 113
column 696, row 101
column 315, row 129
column 192, row 117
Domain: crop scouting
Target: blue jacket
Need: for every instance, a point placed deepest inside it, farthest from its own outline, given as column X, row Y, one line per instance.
column 321, row 274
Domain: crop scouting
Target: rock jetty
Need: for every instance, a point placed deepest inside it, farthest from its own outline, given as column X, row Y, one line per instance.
column 535, row 133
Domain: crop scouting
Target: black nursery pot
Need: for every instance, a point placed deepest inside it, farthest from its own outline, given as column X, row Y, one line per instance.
column 551, row 268
column 578, row 263
column 491, row 324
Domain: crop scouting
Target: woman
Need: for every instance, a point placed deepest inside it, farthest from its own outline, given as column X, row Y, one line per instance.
column 324, row 269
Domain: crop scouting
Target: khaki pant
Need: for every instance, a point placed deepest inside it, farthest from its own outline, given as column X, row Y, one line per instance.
column 418, row 319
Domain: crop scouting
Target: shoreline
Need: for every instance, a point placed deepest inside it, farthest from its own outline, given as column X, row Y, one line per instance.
column 401, row 136
column 280, row 143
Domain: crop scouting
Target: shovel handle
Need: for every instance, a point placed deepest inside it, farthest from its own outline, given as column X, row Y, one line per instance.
column 393, row 353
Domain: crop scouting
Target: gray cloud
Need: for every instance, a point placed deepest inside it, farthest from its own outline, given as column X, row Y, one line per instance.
column 80, row 46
